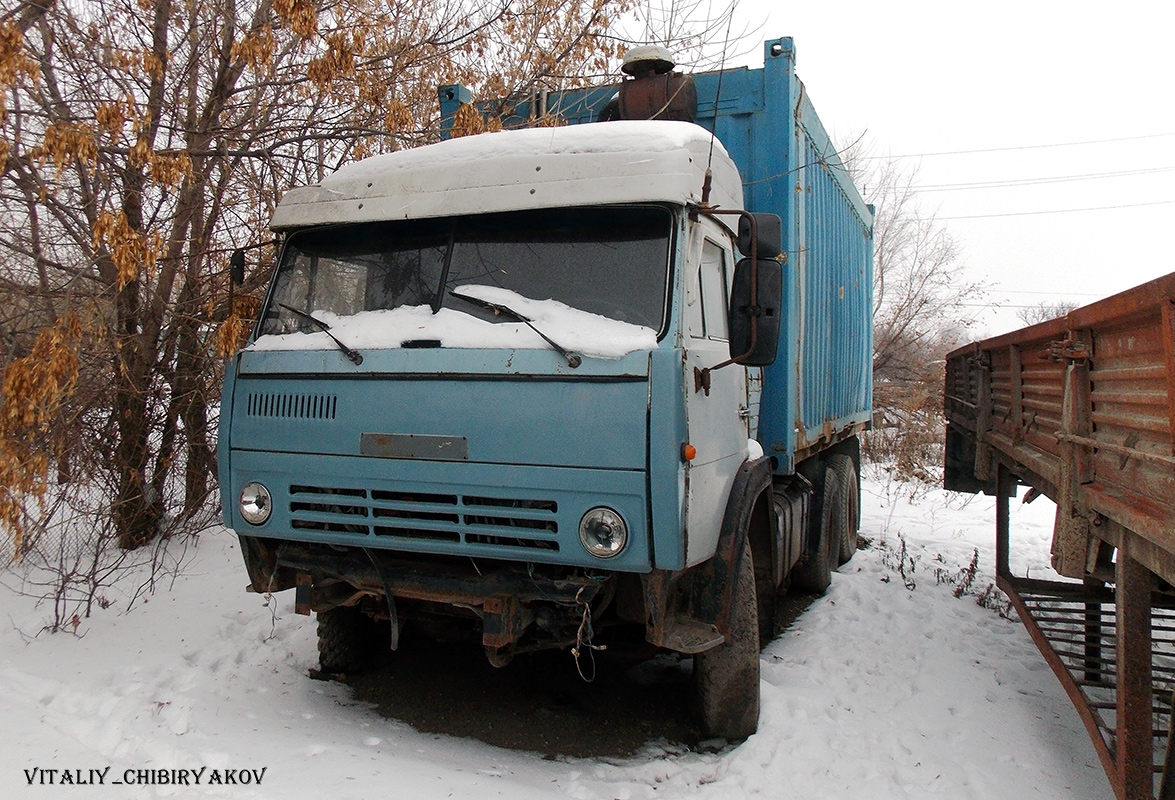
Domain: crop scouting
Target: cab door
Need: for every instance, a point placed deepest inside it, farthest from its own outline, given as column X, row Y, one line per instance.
column 716, row 421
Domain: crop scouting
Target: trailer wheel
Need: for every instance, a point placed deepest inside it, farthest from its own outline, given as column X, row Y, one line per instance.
column 346, row 639
column 848, row 505
column 815, row 574
column 726, row 679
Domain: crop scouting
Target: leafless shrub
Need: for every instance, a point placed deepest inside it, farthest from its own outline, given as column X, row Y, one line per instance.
column 993, row 599
column 908, row 432
column 70, row 558
column 960, row 579
column 900, row 561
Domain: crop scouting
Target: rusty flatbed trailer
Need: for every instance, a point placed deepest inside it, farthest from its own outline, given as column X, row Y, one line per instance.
column 1082, row 410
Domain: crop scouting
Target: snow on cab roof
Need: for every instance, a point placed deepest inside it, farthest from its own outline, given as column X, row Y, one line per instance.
column 596, row 164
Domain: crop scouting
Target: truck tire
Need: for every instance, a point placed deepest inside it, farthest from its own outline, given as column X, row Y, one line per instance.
column 346, row 639
column 814, row 575
column 848, row 505
column 726, row 679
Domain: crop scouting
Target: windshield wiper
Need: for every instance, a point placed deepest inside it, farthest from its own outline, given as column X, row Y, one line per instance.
column 352, row 355
column 573, row 360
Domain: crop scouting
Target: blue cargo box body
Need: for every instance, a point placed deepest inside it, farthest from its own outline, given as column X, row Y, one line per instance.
column 820, row 387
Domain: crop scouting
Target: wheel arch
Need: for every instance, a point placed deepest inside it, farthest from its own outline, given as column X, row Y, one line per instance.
column 747, row 516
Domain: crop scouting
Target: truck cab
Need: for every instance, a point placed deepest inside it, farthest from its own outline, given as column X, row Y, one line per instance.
column 509, row 387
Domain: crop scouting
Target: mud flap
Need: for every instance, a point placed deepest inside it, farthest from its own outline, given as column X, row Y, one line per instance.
column 753, row 478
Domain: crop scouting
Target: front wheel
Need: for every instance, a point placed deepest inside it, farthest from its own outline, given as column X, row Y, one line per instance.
column 726, row 678
column 346, row 639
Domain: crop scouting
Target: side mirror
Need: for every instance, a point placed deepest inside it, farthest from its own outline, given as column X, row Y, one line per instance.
column 237, row 267
column 770, row 235
column 754, row 321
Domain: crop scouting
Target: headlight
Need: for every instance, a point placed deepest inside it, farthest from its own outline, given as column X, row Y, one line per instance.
column 602, row 532
column 255, row 503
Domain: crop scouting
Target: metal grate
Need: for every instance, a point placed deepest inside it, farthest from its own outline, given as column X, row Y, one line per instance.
column 426, row 517
column 294, row 406
column 1076, row 630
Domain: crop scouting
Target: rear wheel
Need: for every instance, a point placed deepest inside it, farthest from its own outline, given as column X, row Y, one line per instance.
column 347, row 639
column 727, row 677
column 848, row 505
column 815, row 574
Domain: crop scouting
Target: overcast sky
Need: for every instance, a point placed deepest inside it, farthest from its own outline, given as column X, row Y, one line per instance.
column 1049, row 92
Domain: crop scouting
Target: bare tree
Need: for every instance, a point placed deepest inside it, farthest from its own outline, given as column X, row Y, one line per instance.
column 918, row 286
column 1044, row 311
column 700, row 32
column 139, row 143
column 918, row 294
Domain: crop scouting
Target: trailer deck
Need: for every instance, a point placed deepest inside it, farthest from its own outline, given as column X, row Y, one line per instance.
column 1082, row 410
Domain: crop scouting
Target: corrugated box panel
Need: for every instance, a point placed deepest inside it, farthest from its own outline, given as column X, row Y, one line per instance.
column 837, row 285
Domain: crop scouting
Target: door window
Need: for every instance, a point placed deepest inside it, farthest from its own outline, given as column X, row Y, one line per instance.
column 715, row 284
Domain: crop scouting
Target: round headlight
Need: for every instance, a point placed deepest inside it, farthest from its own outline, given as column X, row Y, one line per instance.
column 255, row 503
column 603, row 532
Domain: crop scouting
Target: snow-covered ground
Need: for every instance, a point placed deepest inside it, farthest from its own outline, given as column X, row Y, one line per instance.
column 877, row 691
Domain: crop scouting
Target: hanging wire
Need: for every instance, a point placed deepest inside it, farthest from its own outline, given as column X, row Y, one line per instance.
column 583, row 638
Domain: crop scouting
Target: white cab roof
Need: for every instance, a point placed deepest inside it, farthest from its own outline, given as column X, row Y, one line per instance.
column 595, row 164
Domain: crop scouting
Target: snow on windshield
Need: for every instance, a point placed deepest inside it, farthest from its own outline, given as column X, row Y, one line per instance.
column 578, row 331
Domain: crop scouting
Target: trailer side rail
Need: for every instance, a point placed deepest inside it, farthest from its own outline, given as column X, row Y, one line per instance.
column 1082, row 410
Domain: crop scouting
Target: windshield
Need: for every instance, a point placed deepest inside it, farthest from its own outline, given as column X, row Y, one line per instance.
column 612, row 262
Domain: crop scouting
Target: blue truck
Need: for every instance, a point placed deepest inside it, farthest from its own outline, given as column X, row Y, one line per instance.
column 535, row 385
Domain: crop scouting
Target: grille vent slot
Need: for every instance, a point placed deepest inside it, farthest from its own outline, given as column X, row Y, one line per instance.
column 292, row 406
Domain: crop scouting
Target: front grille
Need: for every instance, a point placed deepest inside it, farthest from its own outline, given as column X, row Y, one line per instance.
column 511, row 541
column 498, row 522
